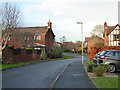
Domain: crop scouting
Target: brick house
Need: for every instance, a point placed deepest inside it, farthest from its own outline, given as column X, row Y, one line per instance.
column 36, row 37
column 111, row 35
column 85, row 44
column 92, row 41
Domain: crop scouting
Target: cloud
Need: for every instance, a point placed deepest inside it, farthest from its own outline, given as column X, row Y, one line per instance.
column 65, row 14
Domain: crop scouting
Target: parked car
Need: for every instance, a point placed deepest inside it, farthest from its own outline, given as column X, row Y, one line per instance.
column 103, row 55
column 95, row 60
column 112, row 59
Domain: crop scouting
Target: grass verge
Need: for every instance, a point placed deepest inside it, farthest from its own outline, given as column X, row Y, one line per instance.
column 5, row 66
column 106, row 82
column 88, row 62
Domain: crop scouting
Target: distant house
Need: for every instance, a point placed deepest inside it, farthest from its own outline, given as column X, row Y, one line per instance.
column 92, row 41
column 67, row 46
column 58, row 44
column 36, row 37
column 86, row 43
column 111, row 35
column 86, row 40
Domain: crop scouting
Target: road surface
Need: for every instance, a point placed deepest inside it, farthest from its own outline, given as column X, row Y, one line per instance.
column 42, row 75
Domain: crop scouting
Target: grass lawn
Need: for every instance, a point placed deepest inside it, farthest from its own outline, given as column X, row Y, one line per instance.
column 88, row 62
column 106, row 82
column 5, row 66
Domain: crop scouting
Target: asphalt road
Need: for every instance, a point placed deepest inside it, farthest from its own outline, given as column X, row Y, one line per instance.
column 41, row 75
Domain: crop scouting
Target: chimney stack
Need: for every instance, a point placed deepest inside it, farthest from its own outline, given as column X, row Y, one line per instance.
column 49, row 25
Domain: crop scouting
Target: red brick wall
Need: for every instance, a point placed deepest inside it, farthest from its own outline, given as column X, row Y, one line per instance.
column 95, row 50
column 49, row 40
column 23, row 56
column 92, row 43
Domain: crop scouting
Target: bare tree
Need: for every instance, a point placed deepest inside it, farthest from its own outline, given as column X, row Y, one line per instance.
column 11, row 18
column 98, row 30
column 63, row 39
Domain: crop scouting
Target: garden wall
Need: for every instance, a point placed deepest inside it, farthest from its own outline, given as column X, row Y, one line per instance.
column 17, row 55
column 95, row 50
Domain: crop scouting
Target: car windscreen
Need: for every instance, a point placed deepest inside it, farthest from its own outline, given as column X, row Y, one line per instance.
column 99, row 53
column 103, row 53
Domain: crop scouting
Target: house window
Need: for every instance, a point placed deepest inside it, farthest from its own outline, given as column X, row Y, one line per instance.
column 26, row 38
column 34, row 37
column 117, row 37
column 39, row 38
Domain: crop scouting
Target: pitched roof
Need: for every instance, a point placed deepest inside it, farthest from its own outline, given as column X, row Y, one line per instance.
column 94, row 37
column 33, row 30
column 30, row 30
column 87, row 38
column 67, row 42
column 111, row 28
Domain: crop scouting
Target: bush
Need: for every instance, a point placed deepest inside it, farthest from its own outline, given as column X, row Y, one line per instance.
column 67, row 50
column 88, row 62
column 106, row 66
column 49, row 54
column 43, row 55
column 90, row 67
column 56, row 52
column 99, row 70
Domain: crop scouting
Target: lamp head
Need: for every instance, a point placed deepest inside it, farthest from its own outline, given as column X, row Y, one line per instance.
column 79, row 23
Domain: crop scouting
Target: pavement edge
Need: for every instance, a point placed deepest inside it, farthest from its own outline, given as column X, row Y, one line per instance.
column 90, row 77
column 57, row 77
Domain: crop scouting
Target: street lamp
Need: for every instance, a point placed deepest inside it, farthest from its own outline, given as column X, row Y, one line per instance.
column 82, row 38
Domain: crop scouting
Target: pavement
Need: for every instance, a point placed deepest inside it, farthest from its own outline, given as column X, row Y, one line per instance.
column 42, row 75
column 74, row 77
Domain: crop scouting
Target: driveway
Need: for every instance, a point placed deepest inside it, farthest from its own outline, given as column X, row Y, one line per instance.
column 42, row 75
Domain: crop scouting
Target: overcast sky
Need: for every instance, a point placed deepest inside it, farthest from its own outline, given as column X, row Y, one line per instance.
column 65, row 13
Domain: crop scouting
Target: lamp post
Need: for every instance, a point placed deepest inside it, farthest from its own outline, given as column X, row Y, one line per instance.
column 82, row 38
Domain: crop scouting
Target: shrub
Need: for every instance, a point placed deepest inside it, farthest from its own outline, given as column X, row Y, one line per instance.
column 49, row 54
column 43, row 55
column 56, row 52
column 90, row 67
column 67, row 50
column 88, row 62
column 99, row 70
column 106, row 66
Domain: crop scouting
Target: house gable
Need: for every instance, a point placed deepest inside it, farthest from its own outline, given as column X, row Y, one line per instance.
column 112, row 35
column 93, row 41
